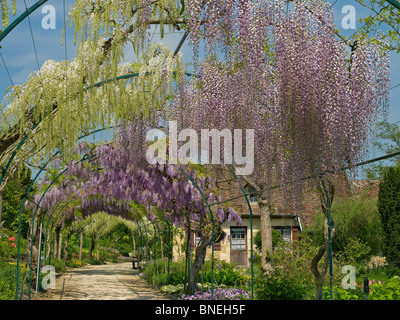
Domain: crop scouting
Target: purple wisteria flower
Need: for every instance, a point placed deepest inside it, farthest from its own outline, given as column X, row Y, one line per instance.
column 219, row 294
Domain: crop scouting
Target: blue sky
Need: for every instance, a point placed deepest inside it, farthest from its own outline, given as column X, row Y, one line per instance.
column 19, row 55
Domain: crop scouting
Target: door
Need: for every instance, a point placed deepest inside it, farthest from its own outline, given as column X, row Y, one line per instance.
column 239, row 246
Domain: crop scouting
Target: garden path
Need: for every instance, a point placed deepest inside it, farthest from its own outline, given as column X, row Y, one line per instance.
column 102, row 282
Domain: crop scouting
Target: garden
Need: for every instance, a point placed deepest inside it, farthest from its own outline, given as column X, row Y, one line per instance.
column 237, row 163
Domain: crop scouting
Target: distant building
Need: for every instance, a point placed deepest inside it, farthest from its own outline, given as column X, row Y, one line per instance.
column 236, row 246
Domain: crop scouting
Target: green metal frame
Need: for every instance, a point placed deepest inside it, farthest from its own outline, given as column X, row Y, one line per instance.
column 394, row 3
column 17, row 21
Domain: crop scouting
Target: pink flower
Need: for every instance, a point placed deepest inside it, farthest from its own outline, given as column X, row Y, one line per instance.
column 11, row 238
column 379, row 282
column 13, row 244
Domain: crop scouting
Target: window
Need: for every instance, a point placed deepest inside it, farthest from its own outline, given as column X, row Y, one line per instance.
column 286, row 233
column 252, row 193
column 238, row 238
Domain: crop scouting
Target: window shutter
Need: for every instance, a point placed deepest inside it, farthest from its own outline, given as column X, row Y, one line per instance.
column 295, row 235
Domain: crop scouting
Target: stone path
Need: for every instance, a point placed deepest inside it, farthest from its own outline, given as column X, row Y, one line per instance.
column 103, row 282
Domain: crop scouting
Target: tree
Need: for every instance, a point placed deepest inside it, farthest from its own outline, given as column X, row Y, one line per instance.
column 389, row 211
column 355, row 218
column 388, row 142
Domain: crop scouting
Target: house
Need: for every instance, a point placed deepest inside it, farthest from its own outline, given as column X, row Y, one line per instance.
column 236, row 247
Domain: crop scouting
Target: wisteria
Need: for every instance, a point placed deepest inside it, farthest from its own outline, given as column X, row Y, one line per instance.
column 278, row 69
column 219, row 294
column 312, row 110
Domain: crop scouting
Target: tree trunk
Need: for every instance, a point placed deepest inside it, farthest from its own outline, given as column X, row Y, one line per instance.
column 198, row 262
column 266, row 234
column 60, row 245
column 80, row 246
column 48, row 247
column 91, row 247
column 56, row 239
column 98, row 251
column 319, row 275
column 326, row 197
column 66, row 246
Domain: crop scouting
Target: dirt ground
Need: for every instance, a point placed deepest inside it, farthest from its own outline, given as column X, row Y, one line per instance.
column 102, row 282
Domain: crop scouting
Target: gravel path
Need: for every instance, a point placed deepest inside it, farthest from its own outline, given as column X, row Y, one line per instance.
column 103, row 282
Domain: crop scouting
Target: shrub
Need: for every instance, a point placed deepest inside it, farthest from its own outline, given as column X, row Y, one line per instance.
column 8, row 279
column 354, row 219
column 172, row 289
column 74, row 263
column 389, row 211
column 277, row 286
column 58, row 265
column 389, row 290
column 276, row 239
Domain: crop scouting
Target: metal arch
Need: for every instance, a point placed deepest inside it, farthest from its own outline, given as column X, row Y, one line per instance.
column 394, row 3
column 28, row 191
column 17, row 21
column 37, row 207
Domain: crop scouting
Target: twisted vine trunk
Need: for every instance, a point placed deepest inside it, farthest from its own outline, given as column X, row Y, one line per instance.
column 199, row 257
column 326, row 197
column 56, row 237
column 66, row 245
column 80, row 246
column 91, row 247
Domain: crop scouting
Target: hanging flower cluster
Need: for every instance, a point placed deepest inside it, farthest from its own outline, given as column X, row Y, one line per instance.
column 120, row 175
column 287, row 76
column 68, row 99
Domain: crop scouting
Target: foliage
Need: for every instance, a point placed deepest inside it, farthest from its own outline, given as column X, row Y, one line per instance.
column 8, row 279
column 73, row 263
column 387, row 141
column 7, row 247
column 58, row 265
column 13, row 194
column 224, row 273
column 390, row 290
column 382, row 14
column 277, row 286
column 5, row 11
column 389, row 211
column 379, row 290
column 356, row 220
column 355, row 253
column 276, row 239
column 172, row 289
